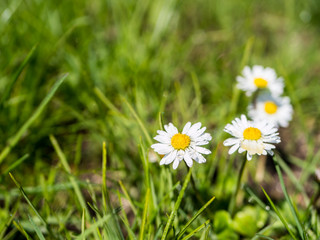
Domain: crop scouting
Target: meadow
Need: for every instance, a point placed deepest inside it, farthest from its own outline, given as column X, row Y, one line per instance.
column 85, row 85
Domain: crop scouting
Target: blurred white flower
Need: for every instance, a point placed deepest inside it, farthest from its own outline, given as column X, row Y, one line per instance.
column 182, row 146
column 260, row 78
column 152, row 156
column 276, row 110
column 255, row 137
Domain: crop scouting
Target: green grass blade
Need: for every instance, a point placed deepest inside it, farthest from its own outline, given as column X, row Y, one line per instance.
column 14, row 140
column 67, row 168
column 20, row 229
column 94, row 227
column 5, row 225
column 10, row 234
column 148, row 181
column 292, row 177
column 145, row 164
column 205, row 234
column 105, row 197
column 246, row 53
column 39, row 189
column 106, row 101
column 15, row 164
column 176, row 206
column 124, row 219
column 139, row 121
column 308, row 167
column 279, row 214
column 125, row 192
column 184, row 228
column 144, row 217
column 36, row 228
column 198, row 229
column 232, row 203
column 77, row 156
column 259, row 201
column 160, row 117
column 9, row 88
column 260, row 236
column 30, row 204
column 114, row 224
column 297, row 220
column 262, row 231
column 83, row 222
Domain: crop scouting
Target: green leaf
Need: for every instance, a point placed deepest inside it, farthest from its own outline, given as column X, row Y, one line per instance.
column 249, row 220
column 222, row 221
column 228, row 234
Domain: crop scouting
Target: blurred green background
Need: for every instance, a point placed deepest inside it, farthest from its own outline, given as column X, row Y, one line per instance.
column 126, row 57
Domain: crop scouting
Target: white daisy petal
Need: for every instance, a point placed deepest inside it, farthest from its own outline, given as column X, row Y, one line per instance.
column 202, row 150
column 270, row 152
column 233, row 148
column 200, row 143
column 241, row 150
column 269, row 146
column 173, row 130
column 175, row 164
column 167, row 159
column 166, row 127
column 200, row 158
column 164, row 133
column 188, row 159
column 203, row 137
column 230, row 141
column 193, row 129
column 163, row 160
column 199, row 132
column 162, row 139
column 186, row 128
column 161, row 148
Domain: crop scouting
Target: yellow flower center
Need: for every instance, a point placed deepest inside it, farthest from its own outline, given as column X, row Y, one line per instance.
column 180, row 141
column 270, row 107
column 260, row 82
column 252, row 133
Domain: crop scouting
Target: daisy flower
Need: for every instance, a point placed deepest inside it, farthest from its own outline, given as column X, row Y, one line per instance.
column 260, row 78
column 255, row 137
column 276, row 110
column 182, row 146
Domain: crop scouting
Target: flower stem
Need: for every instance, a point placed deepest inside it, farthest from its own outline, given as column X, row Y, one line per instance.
column 235, row 193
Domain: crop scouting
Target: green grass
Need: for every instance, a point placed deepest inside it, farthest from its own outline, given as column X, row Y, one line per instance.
column 75, row 77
